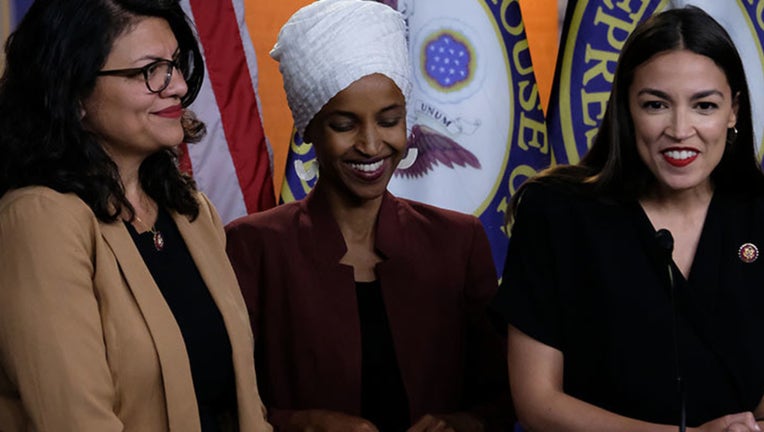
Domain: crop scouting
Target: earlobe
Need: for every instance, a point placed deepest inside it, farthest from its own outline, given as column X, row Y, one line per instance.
column 733, row 114
column 731, row 135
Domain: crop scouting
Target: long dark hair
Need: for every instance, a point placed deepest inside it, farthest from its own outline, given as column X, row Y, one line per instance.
column 51, row 64
column 612, row 168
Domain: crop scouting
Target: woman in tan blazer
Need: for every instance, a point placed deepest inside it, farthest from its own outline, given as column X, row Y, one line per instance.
column 119, row 310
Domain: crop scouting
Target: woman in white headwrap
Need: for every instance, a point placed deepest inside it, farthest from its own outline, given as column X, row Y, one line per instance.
column 369, row 311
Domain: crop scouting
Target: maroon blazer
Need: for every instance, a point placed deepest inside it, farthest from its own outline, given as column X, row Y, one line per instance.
column 437, row 277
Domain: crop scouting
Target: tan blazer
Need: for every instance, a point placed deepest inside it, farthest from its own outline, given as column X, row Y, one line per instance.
column 87, row 341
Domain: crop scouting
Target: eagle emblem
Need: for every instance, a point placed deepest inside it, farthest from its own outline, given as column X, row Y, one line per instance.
column 433, row 148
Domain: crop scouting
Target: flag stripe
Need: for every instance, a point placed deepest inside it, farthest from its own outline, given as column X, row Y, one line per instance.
column 229, row 76
column 213, row 166
column 210, row 161
column 254, row 74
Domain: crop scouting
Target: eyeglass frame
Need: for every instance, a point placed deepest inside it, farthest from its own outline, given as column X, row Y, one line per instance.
column 131, row 72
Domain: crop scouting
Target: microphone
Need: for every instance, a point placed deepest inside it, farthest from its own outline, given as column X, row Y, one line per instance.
column 666, row 243
column 665, row 240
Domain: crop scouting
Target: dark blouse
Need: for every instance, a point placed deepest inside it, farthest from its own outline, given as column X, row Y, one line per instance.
column 200, row 321
column 383, row 397
column 589, row 278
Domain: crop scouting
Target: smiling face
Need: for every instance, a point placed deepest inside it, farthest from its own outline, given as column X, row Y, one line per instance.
column 359, row 137
column 681, row 105
column 130, row 121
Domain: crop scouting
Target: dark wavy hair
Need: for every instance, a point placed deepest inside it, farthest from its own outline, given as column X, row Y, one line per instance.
column 612, row 168
column 52, row 61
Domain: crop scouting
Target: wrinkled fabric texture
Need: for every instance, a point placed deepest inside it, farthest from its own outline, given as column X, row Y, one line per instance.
column 326, row 46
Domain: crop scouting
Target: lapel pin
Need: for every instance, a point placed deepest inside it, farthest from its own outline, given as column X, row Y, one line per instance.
column 748, row 253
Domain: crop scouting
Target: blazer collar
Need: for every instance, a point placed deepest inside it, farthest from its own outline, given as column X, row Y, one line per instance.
column 327, row 243
column 168, row 340
column 390, row 237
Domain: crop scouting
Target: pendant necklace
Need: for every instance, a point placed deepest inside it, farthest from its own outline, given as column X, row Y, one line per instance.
column 158, row 239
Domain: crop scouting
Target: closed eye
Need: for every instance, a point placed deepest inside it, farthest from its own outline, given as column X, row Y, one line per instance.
column 390, row 122
column 344, row 126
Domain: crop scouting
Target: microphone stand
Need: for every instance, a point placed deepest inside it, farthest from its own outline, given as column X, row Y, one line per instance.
column 666, row 242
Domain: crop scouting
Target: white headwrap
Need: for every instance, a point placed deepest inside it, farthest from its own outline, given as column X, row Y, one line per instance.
column 329, row 44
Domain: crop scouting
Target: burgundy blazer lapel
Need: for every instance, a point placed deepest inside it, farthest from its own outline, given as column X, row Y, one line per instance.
column 320, row 235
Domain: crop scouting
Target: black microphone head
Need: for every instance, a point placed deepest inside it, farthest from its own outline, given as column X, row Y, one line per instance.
column 665, row 240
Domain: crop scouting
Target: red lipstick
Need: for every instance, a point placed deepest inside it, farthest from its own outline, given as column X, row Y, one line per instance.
column 174, row 112
column 680, row 157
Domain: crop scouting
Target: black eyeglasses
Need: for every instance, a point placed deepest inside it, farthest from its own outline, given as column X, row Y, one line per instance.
column 157, row 74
